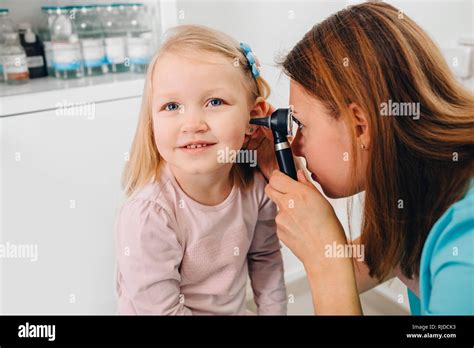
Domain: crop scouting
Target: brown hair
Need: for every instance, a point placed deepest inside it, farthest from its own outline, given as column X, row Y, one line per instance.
column 370, row 54
column 145, row 160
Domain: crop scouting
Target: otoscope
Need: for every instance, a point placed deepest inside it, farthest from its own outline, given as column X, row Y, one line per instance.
column 281, row 124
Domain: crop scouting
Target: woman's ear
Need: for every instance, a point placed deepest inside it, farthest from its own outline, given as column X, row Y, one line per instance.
column 360, row 121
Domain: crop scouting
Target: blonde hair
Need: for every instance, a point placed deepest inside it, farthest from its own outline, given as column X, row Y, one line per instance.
column 145, row 160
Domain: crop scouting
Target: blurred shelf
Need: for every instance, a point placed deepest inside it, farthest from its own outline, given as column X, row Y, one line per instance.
column 45, row 93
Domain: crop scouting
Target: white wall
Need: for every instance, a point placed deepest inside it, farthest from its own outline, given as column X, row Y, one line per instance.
column 446, row 21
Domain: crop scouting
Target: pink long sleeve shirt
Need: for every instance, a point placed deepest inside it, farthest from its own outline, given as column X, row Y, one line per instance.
column 177, row 256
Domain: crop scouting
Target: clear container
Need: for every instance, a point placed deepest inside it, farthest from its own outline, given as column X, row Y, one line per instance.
column 114, row 23
column 48, row 15
column 15, row 65
column 139, row 37
column 6, row 26
column 91, row 35
column 65, row 46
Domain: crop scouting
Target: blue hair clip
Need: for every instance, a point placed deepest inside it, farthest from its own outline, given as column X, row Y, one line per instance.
column 252, row 59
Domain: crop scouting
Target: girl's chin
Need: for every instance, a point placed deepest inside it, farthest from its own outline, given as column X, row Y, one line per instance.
column 198, row 167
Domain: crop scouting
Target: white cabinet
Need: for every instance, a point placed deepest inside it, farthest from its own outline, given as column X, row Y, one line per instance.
column 60, row 191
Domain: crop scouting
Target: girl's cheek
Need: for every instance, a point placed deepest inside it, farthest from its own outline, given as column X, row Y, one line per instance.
column 233, row 142
column 237, row 138
column 164, row 134
column 227, row 132
column 164, row 125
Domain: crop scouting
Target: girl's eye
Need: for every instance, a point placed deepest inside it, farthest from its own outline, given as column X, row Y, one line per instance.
column 171, row 107
column 215, row 102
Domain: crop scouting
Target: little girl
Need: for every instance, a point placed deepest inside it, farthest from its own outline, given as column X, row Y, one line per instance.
column 195, row 226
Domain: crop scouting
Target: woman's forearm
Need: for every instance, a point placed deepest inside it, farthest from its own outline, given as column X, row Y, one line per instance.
column 337, row 282
column 334, row 288
column 332, row 279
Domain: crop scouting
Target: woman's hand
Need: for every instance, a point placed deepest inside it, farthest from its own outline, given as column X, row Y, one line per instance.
column 262, row 141
column 308, row 225
column 306, row 221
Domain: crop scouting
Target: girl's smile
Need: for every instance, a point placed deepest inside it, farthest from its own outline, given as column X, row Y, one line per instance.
column 197, row 146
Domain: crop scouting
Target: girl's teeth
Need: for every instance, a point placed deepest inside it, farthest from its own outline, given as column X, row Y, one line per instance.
column 196, row 146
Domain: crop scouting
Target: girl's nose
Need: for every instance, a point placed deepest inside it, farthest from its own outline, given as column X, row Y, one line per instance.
column 297, row 144
column 194, row 122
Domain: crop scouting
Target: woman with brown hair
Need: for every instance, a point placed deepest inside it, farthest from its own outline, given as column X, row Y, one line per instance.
column 380, row 112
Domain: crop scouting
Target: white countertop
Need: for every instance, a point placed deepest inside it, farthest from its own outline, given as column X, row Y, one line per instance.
column 45, row 93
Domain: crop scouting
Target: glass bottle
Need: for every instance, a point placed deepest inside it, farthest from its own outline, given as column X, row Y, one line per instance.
column 6, row 26
column 65, row 46
column 15, row 65
column 139, row 37
column 91, row 36
column 114, row 24
column 48, row 15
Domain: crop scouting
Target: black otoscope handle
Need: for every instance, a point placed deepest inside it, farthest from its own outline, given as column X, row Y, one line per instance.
column 285, row 161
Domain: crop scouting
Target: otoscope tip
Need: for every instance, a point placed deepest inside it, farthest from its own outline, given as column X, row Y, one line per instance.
column 264, row 121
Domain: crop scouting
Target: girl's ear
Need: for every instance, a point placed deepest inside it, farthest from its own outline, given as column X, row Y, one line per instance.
column 260, row 108
column 361, row 123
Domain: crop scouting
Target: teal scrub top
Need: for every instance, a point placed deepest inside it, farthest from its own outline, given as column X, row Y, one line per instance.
column 447, row 263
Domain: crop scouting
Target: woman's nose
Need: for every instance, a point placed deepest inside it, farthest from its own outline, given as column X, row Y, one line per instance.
column 296, row 144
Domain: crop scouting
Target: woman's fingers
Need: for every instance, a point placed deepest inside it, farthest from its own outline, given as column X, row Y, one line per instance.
column 275, row 196
column 282, row 182
column 303, row 179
